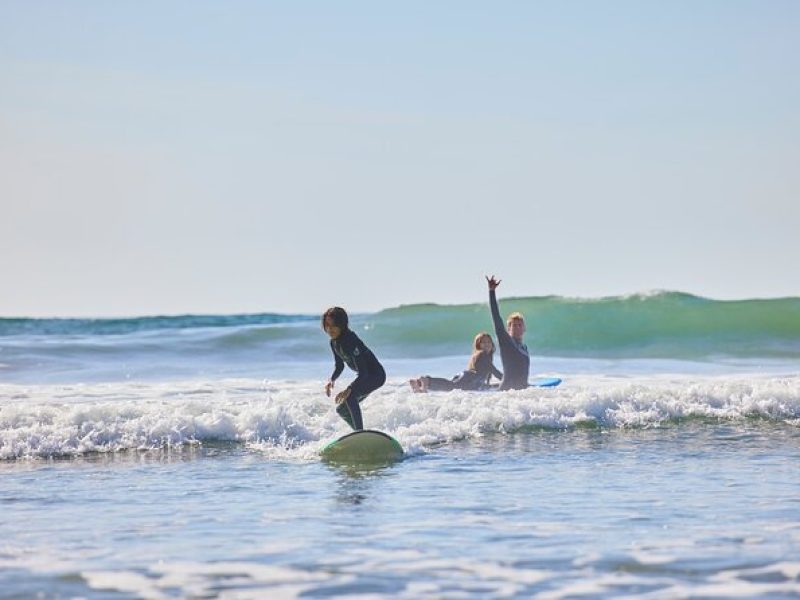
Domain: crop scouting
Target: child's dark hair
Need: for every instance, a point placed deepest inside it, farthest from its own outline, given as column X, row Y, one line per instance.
column 337, row 315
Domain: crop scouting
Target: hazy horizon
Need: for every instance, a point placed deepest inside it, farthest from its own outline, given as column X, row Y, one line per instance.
column 266, row 311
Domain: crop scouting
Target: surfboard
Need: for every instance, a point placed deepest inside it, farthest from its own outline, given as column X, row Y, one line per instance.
column 365, row 446
column 544, row 382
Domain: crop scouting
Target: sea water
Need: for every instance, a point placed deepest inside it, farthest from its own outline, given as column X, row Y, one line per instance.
column 173, row 457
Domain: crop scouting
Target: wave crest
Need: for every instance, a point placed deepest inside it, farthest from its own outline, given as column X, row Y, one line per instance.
column 293, row 420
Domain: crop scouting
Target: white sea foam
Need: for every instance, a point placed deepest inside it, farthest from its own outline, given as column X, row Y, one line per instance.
column 424, row 573
column 201, row 580
column 293, row 419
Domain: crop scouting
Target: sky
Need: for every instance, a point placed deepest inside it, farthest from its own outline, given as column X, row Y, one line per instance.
column 236, row 157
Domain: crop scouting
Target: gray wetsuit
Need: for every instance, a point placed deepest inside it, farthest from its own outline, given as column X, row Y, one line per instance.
column 514, row 355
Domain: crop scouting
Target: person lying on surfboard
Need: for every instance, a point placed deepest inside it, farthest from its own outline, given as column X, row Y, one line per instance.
column 348, row 349
column 476, row 376
column 513, row 353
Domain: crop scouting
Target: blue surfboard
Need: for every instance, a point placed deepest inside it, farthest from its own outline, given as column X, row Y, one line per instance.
column 541, row 382
column 545, row 382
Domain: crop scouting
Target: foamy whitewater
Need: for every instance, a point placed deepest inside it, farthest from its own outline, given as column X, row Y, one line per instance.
column 170, row 457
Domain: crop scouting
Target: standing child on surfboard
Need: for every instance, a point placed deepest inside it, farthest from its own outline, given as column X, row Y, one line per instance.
column 348, row 349
column 513, row 353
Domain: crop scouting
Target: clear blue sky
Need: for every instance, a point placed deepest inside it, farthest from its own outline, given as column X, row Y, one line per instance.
column 172, row 157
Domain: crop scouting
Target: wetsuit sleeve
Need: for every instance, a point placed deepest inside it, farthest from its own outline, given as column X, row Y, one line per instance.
column 338, row 362
column 499, row 326
column 496, row 372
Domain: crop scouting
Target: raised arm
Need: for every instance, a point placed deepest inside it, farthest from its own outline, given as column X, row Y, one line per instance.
column 499, row 326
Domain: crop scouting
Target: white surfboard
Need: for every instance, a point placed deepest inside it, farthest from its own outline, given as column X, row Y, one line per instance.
column 365, row 446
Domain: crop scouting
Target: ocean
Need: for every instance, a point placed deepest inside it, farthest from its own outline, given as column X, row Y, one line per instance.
column 178, row 456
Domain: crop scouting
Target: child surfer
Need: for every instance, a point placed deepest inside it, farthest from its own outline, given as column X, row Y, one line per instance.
column 477, row 374
column 349, row 349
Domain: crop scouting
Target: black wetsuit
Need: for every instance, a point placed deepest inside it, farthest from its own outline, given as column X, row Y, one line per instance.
column 468, row 379
column 513, row 354
column 348, row 348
